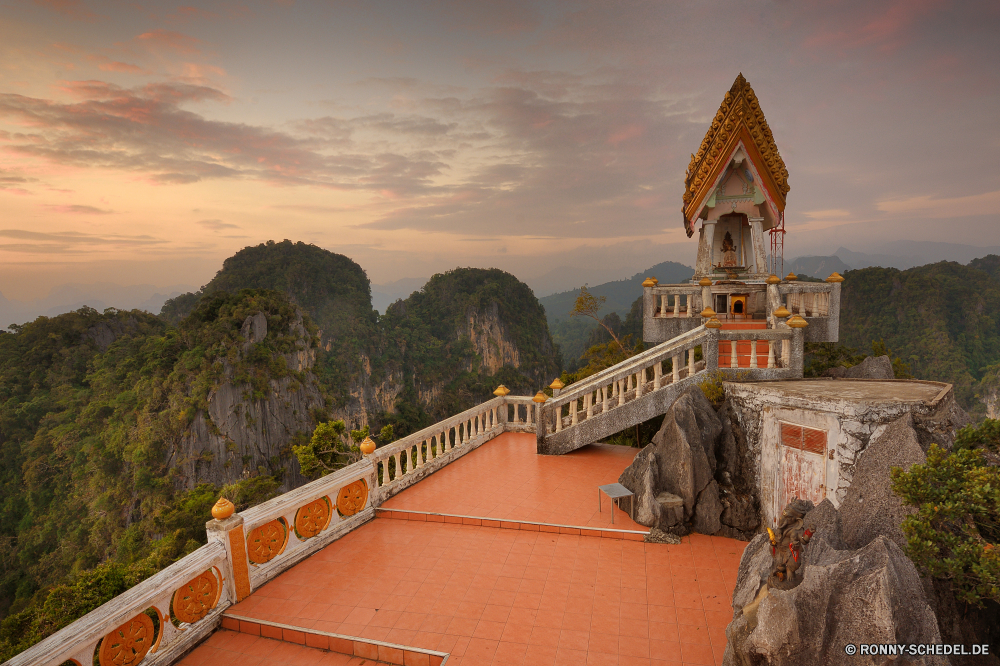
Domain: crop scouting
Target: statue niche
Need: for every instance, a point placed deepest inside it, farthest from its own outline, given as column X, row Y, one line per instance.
column 729, row 257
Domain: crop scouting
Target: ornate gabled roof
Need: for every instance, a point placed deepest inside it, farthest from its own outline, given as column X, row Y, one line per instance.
column 738, row 117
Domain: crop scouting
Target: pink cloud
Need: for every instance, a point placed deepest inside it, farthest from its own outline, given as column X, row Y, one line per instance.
column 168, row 39
column 71, row 8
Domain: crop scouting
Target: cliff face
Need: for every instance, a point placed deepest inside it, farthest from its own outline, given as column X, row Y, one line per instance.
column 242, row 435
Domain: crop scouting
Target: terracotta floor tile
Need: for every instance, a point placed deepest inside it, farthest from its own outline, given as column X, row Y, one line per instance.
column 488, row 595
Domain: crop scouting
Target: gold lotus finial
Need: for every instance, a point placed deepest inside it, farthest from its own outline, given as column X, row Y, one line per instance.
column 708, row 312
column 835, row 277
column 501, row 391
column 782, row 312
column 650, row 282
column 773, row 279
column 791, row 277
column 367, row 446
column 705, row 282
column 223, row 509
column 797, row 322
column 540, row 398
column 556, row 385
column 713, row 323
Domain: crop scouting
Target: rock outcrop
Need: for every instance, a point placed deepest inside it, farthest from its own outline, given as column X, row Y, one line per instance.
column 873, row 367
column 870, row 508
column 242, row 434
column 690, row 477
column 872, row 595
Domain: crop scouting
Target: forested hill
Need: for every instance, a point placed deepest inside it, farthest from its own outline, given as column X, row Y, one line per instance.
column 119, row 430
column 942, row 319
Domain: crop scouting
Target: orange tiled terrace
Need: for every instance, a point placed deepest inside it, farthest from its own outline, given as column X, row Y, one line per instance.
column 501, row 557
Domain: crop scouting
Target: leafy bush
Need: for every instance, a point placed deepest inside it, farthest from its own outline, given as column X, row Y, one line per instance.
column 986, row 436
column 955, row 532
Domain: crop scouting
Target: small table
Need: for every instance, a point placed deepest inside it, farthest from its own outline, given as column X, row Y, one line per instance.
column 616, row 491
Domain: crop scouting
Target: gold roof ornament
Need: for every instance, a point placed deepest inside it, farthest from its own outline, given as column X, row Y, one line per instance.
column 367, row 446
column 791, row 277
column 713, row 323
column 797, row 322
column 739, row 118
column 540, row 398
column 773, row 279
column 649, row 282
column 705, row 282
column 557, row 385
column 782, row 312
column 835, row 277
column 501, row 391
column 223, row 509
column 707, row 312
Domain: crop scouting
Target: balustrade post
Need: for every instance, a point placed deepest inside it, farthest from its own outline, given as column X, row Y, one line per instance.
column 770, row 353
column 229, row 532
column 753, row 353
column 733, row 362
column 677, row 305
column 786, row 352
column 399, row 464
column 573, row 411
column 588, row 404
column 675, row 362
column 689, row 302
column 657, row 374
column 621, row 391
column 691, row 363
column 527, row 414
column 710, row 350
column 640, row 379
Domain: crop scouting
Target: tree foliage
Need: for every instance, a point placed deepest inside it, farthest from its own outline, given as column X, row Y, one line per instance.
column 954, row 533
column 943, row 320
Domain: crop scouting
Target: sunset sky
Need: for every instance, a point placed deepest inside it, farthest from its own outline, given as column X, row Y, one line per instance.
column 145, row 142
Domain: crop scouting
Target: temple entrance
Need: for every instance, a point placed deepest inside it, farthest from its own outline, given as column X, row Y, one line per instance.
column 803, row 466
column 738, row 306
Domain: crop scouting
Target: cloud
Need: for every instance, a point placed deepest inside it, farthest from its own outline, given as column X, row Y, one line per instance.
column 170, row 40
column 71, row 8
column 146, row 130
column 986, row 203
column 79, row 210
column 72, row 242
column 218, row 225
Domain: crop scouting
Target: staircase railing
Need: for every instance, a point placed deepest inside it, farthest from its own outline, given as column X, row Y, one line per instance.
column 640, row 388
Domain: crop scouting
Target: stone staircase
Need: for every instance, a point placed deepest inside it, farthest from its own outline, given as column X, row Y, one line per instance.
column 646, row 385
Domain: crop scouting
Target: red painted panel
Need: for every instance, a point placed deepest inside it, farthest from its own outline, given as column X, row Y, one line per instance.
column 791, row 435
column 814, row 440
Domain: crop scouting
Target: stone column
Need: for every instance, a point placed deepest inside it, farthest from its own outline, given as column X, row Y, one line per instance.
column 757, row 238
column 773, row 303
column 705, row 247
column 797, row 355
column 229, row 532
column 710, row 350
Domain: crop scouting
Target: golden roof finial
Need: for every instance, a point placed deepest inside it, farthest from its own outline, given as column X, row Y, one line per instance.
column 223, row 509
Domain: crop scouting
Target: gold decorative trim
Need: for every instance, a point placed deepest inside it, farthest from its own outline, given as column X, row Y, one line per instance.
column 129, row 643
column 313, row 518
column 739, row 116
column 352, row 497
column 266, row 542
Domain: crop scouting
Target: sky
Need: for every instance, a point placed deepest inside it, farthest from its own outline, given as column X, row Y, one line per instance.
column 146, row 142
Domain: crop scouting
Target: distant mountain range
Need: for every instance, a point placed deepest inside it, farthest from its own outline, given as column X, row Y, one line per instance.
column 902, row 254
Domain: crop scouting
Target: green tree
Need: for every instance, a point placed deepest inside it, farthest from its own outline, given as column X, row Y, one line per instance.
column 954, row 533
column 588, row 305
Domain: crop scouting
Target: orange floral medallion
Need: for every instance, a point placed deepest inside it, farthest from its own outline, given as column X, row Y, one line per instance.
column 129, row 643
column 267, row 541
column 312, row 518
column 194, row 599
column 352, row 498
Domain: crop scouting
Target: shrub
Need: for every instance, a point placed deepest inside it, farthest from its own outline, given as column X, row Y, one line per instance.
column 954, row 533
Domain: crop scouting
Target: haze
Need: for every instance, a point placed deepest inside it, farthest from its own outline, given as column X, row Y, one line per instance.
column 143, row 143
